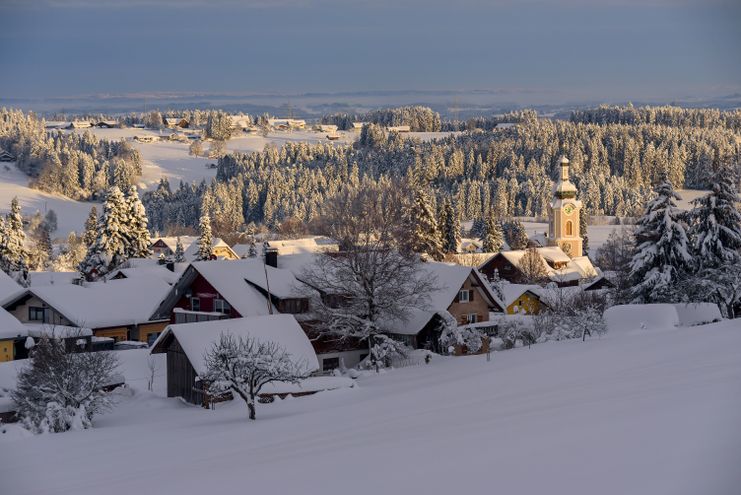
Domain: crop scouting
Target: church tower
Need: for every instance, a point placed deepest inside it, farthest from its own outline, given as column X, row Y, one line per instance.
column 563, row 214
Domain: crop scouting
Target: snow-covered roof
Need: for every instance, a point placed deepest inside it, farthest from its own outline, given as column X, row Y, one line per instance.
column 52, row 278
column 315, row 244
column 511, row 292
column 172, row 241
column 191, row 252
column 242, row 250
column 104, row 304
column 197, row 338
column 553, row 254
column 147, row 267
column 38, row 330
column 9, row 289
column 449, row 278
column 10, row 327
column 229, row 279
column 574, row 269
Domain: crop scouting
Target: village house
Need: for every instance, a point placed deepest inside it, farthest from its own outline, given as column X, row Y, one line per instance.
column 461, row 292
column 119, row 309
column 6, row 156
column 522, row 299
column 11, row 331
column 166, row 247
column 80, row 124
column 358, row 126
column 186, row 346
column 172, row 122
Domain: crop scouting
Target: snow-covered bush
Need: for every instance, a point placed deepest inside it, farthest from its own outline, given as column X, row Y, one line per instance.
column 385, row 349
column 514, row 330
column 62, row 390
column 452, row 335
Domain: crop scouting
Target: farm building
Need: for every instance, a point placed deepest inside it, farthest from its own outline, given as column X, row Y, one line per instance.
column 186, row 345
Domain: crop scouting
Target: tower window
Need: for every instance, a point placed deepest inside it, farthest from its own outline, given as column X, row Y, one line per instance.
column 569, row 228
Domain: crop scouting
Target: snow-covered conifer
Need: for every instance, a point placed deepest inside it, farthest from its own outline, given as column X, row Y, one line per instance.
column 110, row 246
column 662, row 248
column 137, row 233
column 422, row 226
column 205, row 239
column 451, row 228
column 493, row 238
column 716, row 228
column 91, row 227
column 179, row 252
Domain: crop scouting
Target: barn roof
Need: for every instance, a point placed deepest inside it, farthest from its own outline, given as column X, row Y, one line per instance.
column 197, row 338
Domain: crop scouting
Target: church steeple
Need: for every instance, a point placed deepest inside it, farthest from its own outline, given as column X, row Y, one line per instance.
column 564, row 211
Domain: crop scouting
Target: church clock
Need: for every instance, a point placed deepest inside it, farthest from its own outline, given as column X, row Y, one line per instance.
column 568, row 209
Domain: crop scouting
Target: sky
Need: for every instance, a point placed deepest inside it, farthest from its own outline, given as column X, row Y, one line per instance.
column 559, row 49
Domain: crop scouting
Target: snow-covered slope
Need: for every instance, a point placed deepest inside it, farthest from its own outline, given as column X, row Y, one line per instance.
column 655, row 413
column 71, row 214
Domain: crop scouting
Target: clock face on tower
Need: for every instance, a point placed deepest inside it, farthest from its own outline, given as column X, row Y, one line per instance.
column 568, row 209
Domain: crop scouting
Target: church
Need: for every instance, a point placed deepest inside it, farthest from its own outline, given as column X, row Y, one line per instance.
column 564, row 213
column 563, row 257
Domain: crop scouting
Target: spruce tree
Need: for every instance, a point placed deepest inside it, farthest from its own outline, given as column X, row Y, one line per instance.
column 515, row 235
column 12, row 240
column 137, row 233
column 583, row 231
column 205, row 239
column 451, row 228
column 91, row 227
column 716, row 229
column 179, row 251
column 662, row 248
column 110, row 246
column 493, row 238
column 424, row 235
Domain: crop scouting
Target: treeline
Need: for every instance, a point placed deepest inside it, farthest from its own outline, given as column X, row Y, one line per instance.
column 79, row 166
column 613, row 165
column 664, row 115
column 419, row 119
column 487, row 123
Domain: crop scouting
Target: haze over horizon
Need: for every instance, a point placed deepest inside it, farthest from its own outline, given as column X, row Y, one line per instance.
column 561, row 50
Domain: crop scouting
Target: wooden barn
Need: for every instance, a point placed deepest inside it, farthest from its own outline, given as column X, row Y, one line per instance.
column 186, row 345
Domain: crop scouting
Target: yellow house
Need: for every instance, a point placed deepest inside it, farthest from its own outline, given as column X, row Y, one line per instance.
column 522, row 299
column 10, row 330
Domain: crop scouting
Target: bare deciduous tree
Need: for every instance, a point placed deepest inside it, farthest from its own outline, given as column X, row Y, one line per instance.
column 372, row 281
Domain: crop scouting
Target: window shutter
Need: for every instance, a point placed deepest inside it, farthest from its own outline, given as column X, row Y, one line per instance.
column 458, row 297
column 470, row 295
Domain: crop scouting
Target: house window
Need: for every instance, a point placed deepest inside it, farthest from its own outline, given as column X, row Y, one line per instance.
column 222, row 306
column 152, row 337
column 36, row 314
column 195, row 304
column 472, row 318
column 463, row 296
column 330, row 364
column 569, row 228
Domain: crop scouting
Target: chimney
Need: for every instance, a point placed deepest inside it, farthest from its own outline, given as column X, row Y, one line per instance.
column 271, row 257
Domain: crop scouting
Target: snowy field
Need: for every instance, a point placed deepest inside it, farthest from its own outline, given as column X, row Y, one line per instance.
column 652, row 412
column 71, row 214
